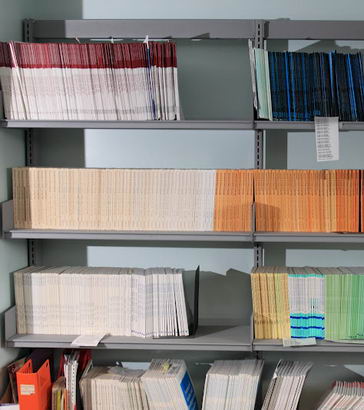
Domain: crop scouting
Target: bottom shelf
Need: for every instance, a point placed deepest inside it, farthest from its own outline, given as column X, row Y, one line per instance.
column 232, row 337
column 216, row 338
column 275, row 345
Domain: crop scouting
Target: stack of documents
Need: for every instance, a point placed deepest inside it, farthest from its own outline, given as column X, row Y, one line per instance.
column 286, row 385
column 60, row 395
column 133, row 199
column 91, row 301
column 187, row 199
column 232, row 384
column 70, row 366
column 166, row 382
column 293, row 86
column 307, row 200
column 98, row 81
column 165, row 385
column 344, row 395
column 305, row 302
column 114, row 388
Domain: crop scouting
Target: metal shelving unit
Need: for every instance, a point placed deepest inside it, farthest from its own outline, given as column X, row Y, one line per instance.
column 236, row 338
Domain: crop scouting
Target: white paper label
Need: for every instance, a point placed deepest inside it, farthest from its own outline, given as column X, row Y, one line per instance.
column 327, row 138
column 27, row 389
column 309, row 341
column 87, row 340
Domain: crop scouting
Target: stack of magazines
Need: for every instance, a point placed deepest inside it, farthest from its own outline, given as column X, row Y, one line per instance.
column 165, row 385
column 98, row 81
column 232, row 384
column 168, row 381
column 92, row 301
column 286, row 385
column 305, row 302
column 113, row 388
column 295, row 86
column 133, row 199
column 344, row 395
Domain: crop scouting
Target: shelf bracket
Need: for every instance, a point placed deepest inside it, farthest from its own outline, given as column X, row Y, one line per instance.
column 258, row 256
column 259, row 37
column 28, row 30
column 30, row 161
column 259, row 149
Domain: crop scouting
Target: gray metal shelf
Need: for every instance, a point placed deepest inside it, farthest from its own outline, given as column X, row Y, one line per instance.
column 308, row 237
column 139, row 28
column 305, row 125
column 178, row 125
column 216, row 237
column 158, row 125
column 234, row 338
column 130, row 235
column 207, row 338
column 282, row 29
column 267, row 345
column 285, row 29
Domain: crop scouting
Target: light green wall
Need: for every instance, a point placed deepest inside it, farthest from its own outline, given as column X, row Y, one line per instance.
column 55, row 9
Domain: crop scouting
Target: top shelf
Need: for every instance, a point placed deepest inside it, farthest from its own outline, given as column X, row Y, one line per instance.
column 139, row 28
column 197, row 28
column 179, row 125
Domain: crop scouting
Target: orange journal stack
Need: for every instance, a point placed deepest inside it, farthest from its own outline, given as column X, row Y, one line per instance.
column 233, row 200
column 307, row 200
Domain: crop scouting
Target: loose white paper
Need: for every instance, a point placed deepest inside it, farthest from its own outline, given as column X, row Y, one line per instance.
column 327, row 138
column 309, row 341
column 87, row 340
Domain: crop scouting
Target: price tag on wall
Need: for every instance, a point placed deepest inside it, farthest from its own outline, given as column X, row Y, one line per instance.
column 327, row 138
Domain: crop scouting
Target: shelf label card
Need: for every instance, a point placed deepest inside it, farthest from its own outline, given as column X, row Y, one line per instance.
column 27, row 389
column 87, row 340
column 309, row 341
column 327, row 138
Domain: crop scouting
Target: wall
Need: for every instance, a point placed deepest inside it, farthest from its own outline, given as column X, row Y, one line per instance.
column 54, row 9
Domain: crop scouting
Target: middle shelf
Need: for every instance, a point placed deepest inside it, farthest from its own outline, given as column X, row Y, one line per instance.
column 237, row 125
column 207, row 237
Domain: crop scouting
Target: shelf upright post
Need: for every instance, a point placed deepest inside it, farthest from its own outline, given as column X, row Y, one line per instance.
column 259, row 163
column 28, row 26
column 259, row 136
